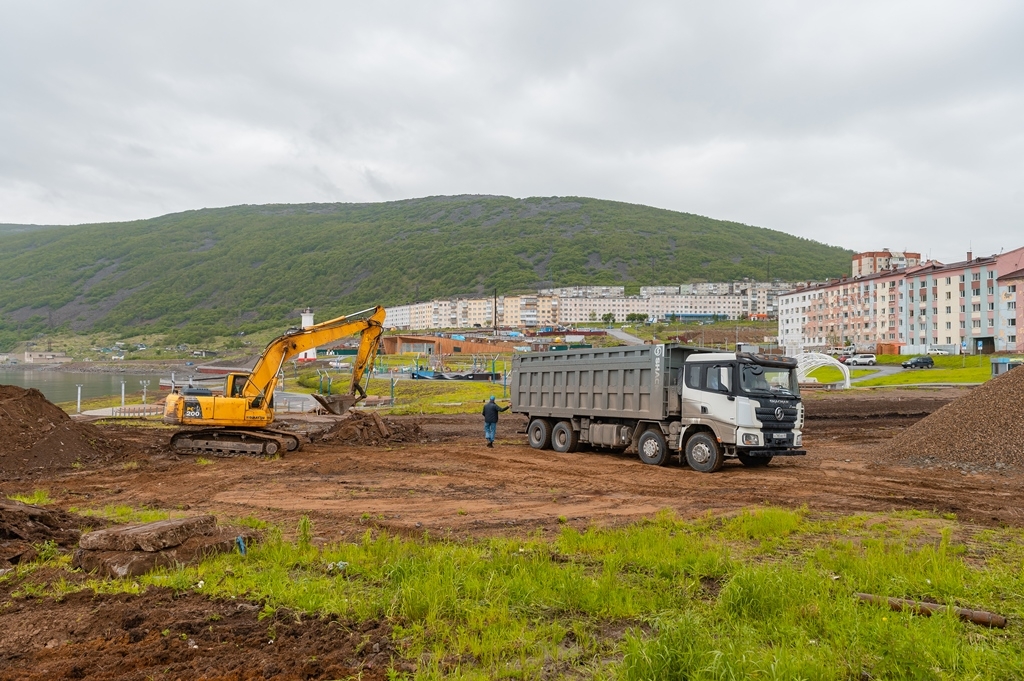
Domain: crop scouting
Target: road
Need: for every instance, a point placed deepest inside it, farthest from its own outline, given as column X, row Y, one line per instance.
column 626, row 338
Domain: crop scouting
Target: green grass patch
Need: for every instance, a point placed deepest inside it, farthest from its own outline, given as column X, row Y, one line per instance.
column 835, row 375
column 105, row 402
column 39, row 497
column 917, row 376
column 766, row 594
column 125, row 514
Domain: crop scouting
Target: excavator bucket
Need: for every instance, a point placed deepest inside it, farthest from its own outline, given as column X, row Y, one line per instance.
column 337, row 404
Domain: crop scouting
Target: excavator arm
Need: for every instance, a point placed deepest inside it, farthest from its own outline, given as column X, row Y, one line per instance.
column 263, row 378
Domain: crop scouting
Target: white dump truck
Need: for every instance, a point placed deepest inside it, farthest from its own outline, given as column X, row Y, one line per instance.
column 701, row 404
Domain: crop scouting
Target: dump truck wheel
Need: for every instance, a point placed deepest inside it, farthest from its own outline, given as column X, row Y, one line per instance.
column 652, row 448
column 754, row 461
column 539, row 434
column 703, row 453
column 564, row 438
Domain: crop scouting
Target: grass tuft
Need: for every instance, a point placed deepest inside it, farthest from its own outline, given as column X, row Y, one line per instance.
column 39, row 497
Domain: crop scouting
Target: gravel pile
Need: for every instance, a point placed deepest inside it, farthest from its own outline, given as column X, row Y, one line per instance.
column 983, row 429
column 36, row 436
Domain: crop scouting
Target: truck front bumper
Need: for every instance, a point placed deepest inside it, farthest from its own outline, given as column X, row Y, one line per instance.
column 771, row 452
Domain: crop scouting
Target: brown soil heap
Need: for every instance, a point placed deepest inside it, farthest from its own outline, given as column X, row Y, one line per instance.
column 22, row 526
column 983, row 428
column 368, row 428
column 36, row 436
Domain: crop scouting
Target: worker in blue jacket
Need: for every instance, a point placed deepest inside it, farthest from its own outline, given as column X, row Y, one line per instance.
column 491, row 410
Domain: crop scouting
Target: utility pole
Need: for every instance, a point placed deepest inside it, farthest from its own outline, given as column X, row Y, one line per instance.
column 495, row 311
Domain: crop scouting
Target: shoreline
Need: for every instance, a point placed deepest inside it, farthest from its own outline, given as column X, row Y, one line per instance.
column 141, row 367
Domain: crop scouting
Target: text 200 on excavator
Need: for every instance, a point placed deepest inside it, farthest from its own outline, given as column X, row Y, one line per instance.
column 238, row 422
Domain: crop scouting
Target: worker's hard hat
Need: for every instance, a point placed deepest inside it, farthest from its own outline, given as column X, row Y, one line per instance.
column 492, row 398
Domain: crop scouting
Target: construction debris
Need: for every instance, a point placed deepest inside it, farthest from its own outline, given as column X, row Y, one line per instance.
column 23, row 527
column 137, row 549
column 982, row 429
column 37, row 436
column 369, row 428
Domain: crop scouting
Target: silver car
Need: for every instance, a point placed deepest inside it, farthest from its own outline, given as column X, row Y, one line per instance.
column 861, row 360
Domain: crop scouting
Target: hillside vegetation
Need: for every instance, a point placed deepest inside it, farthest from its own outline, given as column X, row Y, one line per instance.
column 215, row 271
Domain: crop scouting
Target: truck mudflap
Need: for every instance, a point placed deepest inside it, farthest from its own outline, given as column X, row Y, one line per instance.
column 772, row 452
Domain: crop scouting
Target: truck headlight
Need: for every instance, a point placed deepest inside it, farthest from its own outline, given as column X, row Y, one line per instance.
column 798, row 439
column 750, row 439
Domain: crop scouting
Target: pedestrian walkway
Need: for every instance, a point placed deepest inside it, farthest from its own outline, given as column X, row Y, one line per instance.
column 627, row 338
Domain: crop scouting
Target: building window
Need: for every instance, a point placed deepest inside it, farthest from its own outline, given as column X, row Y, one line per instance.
column 976, row 276
column 949, row 309
column 976, row 324
column 949, row 325
column 1012, row 339
column 949, row 339
column 1012, row 288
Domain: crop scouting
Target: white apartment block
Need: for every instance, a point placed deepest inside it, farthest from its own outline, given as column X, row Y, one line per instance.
column 663, row 307
column 585, row 292
column 931, row 305
column 588, row 304
column 590, row 310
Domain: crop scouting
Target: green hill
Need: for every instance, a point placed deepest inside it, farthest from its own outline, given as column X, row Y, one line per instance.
column 213, row 271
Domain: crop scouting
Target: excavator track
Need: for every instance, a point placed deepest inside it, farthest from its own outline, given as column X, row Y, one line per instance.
column 224, row 442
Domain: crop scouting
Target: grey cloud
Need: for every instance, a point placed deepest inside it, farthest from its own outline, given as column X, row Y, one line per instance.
column 864, row 125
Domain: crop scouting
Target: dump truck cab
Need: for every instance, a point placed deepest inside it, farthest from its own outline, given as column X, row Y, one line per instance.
column 751, row 403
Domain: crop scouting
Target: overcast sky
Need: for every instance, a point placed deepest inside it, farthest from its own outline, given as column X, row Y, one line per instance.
column 861, row 124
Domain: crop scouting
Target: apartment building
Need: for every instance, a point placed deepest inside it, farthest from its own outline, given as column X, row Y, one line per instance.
column 872, row 262
column 1011, row 301
column 960, row 306
column 587, row 304
column 723, row 306
column 585, row 292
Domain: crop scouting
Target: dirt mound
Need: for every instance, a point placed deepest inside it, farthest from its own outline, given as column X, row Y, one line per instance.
column 22, row 527
column 37, row 436
column 982, row 429
column 160, row 634
column 369, row 428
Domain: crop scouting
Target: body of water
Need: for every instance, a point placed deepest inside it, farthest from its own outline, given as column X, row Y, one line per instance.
column 59, row 386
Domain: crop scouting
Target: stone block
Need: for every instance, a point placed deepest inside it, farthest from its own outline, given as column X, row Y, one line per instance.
column 134, row 563
column 150, row 537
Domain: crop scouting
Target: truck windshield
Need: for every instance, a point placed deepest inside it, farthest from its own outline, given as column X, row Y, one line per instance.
column 760, row 380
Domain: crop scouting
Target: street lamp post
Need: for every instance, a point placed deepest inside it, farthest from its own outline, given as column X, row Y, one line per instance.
column 79, row 386
column 144, row 384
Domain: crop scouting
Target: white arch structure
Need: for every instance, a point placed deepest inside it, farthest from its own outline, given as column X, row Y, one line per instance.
column 809, row 361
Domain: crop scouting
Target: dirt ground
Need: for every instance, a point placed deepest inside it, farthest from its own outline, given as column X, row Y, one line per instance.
column 448, row 484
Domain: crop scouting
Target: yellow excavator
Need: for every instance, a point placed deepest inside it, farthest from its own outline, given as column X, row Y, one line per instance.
column 239, row 422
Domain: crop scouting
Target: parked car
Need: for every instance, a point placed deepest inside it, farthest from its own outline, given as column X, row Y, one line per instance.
column 937, row 352
column 860, row 360
column 922, row 362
